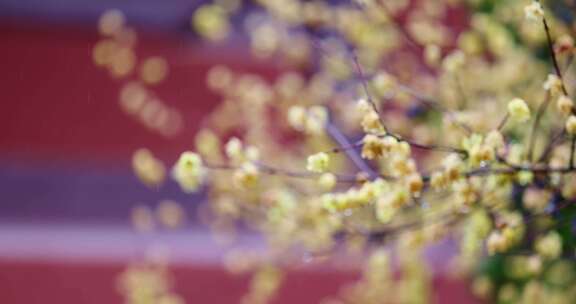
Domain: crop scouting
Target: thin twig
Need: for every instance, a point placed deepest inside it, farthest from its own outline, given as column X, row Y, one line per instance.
column 342, row 178
column 362, row 78
column 407, row 37
column 539, row 113
column 555, row 140
column 569, row 62
column 360, row 75
column 463, row 97
column 352, row 146
column 435, row 105
column 572, row 150
column 413, row 144
column 269, row 170
column 553, row 55
column 503, row 122
column 448, row 218
column 430, row 147
column 352, row 154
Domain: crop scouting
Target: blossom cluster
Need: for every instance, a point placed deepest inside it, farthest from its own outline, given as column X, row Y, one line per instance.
column 394, row 129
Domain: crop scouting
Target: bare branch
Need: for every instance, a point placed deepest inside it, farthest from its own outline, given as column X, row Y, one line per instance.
column 539, row 113
column 342, row 141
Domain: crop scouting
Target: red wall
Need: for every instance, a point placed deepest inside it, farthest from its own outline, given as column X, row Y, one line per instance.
column 56, row 104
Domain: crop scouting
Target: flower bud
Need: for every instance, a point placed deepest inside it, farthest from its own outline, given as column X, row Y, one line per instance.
column 571, row 125
column 518, row 110
column 534, row 11
column 318, row 162
column 564, row 105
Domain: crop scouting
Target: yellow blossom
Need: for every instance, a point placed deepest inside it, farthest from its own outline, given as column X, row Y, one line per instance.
column 188, row 171
column 147, row 168
column 383, row 83
column 251, row 153
column 402, row 148
column 296, row 117
column 372, row 147
column 481, row 153
column 316, row 120
column 454, row 61
column 211, row 22
column 553, row 84
column 571, row 125
column 466, row 192
column 389, row 204
column 391, row 144
column 363, row 106
column 564, row 105
column 496, row 243
column 495, row 140
column 189, row 163
column 246, row 176
column 534, row 11
column 415, row 184
column 525, row 177
column 318, row 162
column 549, row 246
column 518, row 110
column 234, row 148
column 170, row 214
column 310, row 120
column 327, row 181
column 371, row 123
column 438, row 180
column 432, row 54
column 501, row 241
column 536, row 200
column 453, row 166
column 402, row 166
